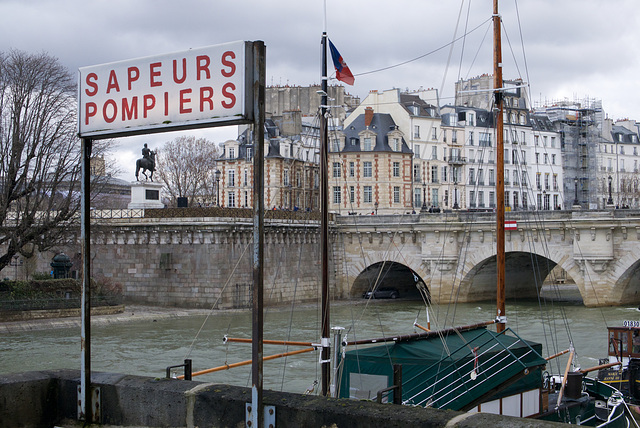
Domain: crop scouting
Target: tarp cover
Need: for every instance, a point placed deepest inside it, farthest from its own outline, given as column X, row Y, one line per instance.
column 450, row 371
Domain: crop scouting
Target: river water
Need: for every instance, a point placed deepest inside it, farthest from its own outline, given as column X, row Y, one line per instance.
column 148, row 346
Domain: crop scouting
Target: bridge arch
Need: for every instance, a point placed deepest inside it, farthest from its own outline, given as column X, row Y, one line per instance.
column 389, row 274
column 525, row 273
column 626, row 288
column 405, row 265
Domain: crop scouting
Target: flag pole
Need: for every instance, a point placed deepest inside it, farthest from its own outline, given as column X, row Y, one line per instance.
column 325, row 362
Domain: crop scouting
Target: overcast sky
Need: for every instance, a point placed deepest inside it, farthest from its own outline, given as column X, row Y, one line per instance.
column 572, row 48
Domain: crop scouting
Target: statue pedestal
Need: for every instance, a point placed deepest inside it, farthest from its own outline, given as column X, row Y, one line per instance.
column 145, row 194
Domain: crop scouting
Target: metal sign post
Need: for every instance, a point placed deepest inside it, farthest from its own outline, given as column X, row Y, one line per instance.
column 257, row 415
column 213, row 86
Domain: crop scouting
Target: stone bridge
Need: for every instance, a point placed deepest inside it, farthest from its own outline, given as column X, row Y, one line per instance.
column 454, row 254
column 205, row 261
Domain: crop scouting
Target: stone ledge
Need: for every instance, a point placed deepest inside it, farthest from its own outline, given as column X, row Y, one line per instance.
column 9, row 316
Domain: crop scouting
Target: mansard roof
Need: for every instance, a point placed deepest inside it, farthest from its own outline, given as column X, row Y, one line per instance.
column 425, row 109
column 381, row 125
column 541, row 123
column 484, row 118
column 623, row 135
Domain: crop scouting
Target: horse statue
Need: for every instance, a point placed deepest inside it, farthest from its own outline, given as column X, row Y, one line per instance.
column 147, row 163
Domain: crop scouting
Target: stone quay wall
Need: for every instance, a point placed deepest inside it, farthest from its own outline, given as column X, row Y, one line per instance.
column 206, row 262
column 50, row 398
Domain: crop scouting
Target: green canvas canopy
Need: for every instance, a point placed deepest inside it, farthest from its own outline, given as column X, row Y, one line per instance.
column 455, row 370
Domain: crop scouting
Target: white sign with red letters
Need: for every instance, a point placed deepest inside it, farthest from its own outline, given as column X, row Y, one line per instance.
column 189, row 89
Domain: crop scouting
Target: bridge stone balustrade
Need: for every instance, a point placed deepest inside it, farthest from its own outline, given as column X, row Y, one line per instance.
column 206, row 261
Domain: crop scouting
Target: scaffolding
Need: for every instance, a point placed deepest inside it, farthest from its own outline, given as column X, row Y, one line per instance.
column 580, row 124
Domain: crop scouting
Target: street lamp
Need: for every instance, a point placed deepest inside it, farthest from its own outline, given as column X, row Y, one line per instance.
column 455, row 196
column 376, row 207
column 610, row 200
column 217, row 174
column 424, row 197
column 575, row 183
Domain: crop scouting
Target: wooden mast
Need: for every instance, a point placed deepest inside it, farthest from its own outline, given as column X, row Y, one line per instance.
column 497, row 85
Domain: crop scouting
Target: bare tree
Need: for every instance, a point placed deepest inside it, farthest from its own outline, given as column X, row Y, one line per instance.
column 186, row 165
column 39, row 153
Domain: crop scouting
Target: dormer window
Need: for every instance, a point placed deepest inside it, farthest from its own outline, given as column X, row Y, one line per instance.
column 367, row 144
column 232, row 152
column 415, row 110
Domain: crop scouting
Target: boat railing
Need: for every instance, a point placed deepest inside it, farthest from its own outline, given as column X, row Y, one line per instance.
column 495, row 361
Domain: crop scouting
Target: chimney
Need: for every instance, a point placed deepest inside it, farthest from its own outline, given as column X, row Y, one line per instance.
column 368, row 116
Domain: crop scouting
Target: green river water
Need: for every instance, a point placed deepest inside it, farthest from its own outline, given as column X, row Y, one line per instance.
column 147, row 347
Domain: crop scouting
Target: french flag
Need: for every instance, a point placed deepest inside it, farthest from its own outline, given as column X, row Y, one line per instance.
column 342, row 70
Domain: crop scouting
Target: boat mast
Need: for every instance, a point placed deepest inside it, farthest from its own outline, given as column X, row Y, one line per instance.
column 324, row 223
column 497, row 85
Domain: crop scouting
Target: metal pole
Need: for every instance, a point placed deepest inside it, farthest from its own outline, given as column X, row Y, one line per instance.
column 85, row 234
column 257, row 414
column 324, row 238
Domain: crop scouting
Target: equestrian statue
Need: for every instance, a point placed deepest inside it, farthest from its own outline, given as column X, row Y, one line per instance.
column 147, row 163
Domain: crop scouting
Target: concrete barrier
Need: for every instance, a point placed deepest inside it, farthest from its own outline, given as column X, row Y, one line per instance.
column 43, row 399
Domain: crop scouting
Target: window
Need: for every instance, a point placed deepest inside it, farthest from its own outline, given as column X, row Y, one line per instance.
column 524, row 199
column 523, row 138
column 555, row 182
column 232, row 200
column 367, row 144
column 553, row 159
column 231, row 179
column 366, row 169
column 481, row 177
column 454, row 137
column 553, row 142
column 492, row 179
column 516, row 201
column 285, row 177
column 353, row 141
column 336, row 170
column 396, row 169
column 434, row 153
column 249, row 153
column 544, row 141
column 492, row 199
column 416, row 173
column 352, row 169
column 546, row 158
column 367, row 195
column 444, row 174
column 434, row 174
column 396, row 194
column 336, row 195
column 246, row 198
column 515, row 178
column 417, row 198
column 232, row 152
column 472, row 176
column 396, row 144
column 471, row 138
column 537, row 157
column 481, row 198
column 352, row 194
column 538, row 181
column 336, row 145
column 472, row 199
column 485, row 139
column 246, row 178
column 546, row 181
column 434, row 198
column 434, row 133
column 416, row 131
column 416, row 150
